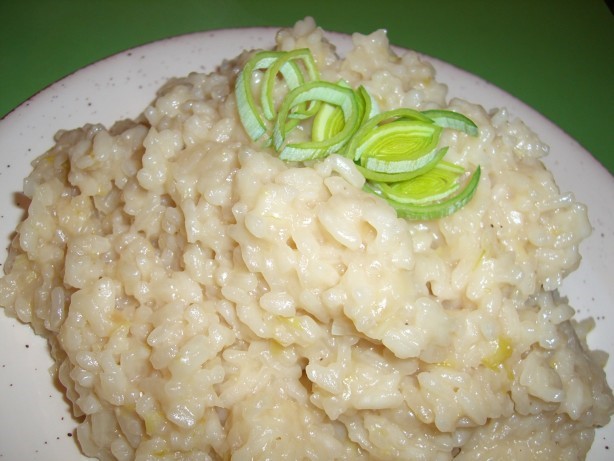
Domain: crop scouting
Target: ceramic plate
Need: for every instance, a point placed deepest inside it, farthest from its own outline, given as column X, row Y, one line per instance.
column 35, row 420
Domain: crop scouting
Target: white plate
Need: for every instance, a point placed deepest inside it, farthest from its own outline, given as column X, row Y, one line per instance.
column 35, row 420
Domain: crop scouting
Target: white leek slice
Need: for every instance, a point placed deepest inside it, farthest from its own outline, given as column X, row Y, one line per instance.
column 250, row 114
column 434, row 185
column 327, row 122
column 399, row 146
column 436, row 160
column 326, row 92
column 388, row 136
column 296, row 67
column 453, row 120
column 435, row 209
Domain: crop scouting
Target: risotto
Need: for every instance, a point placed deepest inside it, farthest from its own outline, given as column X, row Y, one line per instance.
column 206, row 300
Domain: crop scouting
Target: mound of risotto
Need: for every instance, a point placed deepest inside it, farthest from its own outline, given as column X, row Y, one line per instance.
column 205, row 299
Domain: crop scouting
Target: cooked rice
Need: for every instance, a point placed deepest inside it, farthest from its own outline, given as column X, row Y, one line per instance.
column 205, row 300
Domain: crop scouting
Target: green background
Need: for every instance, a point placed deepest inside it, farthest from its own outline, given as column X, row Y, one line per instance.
column 555, row 56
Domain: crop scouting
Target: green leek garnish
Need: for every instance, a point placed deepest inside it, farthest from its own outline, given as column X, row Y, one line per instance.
column 252, row 118
column 399, row 146
column 396, row 151
column 453, row 120
column 327, row 122
column 274, row 63
column 337, row 95
column 288, row 66
column 435, row 184
column 436, row 159
column 432, row 210
column 357, row 145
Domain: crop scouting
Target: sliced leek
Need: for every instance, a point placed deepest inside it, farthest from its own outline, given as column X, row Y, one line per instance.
column 453, row 120
column 399, row 146
column 434, row 185
column 376, row 176
column 304, row 118
column 254, row 117
column 433, row 210
column 251, row 117
column 289, row 67
column 327, row 122
column 361, row 141
column 333, row 94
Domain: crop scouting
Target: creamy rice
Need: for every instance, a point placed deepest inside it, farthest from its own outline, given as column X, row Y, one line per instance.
column 205, row 300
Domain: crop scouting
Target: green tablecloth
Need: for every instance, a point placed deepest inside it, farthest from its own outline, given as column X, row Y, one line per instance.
column 555, row 55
